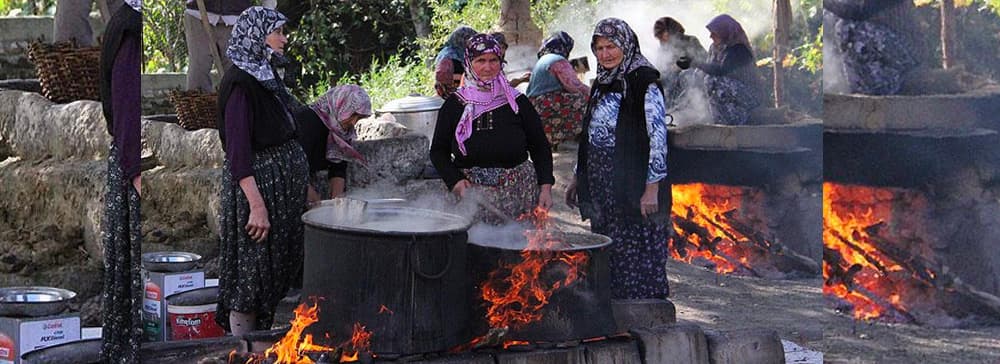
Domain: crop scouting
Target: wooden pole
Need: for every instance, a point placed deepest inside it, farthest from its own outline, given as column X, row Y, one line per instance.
column 782, row 20
column 211, row 37
column 948, row 34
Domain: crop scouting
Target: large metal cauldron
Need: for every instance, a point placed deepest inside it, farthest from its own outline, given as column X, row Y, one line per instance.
column 580, row 310
column 400, row 272
column 419, row 113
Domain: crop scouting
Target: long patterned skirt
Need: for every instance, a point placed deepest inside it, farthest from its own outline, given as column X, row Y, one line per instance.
column 730, row 99
column 638, row 258
column 513, row 191
column 121, row 298
column 875, row 57
column 254, row 276
column 561, row 113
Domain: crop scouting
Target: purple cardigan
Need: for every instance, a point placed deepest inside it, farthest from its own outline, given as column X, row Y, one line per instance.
column 126, row 97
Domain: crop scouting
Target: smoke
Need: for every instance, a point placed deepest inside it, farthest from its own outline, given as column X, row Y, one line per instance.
column 579, row 17
column 833, row 64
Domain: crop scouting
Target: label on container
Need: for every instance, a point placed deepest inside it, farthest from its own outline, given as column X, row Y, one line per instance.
column 151, row 313
column 183, row 282
column 42, row 334
column 7, row 350
column 193, row 322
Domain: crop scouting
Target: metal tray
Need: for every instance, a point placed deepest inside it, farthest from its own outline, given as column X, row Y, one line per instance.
column 170, row 261
column 33, row 301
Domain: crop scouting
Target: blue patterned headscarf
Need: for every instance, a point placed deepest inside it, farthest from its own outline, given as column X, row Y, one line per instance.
column 559, row 43
column 454, row 47
column 249, row 51
column 135, row 4
column 619, row 33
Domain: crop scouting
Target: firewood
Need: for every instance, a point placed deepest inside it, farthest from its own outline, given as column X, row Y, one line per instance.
column 793, row 259
column 708, row 242
column 856, row 248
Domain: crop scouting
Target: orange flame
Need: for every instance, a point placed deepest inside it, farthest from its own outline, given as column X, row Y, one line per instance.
column 514, row 292
column 705, row 205
column 847, row 211
column 382, row 309
column 291, row 349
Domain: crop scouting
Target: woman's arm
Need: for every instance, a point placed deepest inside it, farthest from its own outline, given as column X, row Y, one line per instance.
column 444, row 135
column 127, row 110
column 656, row 128
column 239, row 153
column 567, row 77
column 733, row 58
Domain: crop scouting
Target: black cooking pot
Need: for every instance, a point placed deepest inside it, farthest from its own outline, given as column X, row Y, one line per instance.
column 400, row 273
column 80, row 352
column 580, row 310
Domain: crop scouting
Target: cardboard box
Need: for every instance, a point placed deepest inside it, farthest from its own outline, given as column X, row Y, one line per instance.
column 19, row 335
column 158, row 286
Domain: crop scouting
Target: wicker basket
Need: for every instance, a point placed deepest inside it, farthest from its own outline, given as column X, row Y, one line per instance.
column 65, row 72
column 195, row 109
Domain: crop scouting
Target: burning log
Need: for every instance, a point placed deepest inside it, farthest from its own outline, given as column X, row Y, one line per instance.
column 791, row 258
column 707, row 242
column 845, row 278
column 867, row 256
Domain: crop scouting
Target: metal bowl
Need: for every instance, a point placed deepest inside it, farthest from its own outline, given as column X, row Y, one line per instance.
column 170, row 261
column 33, row 301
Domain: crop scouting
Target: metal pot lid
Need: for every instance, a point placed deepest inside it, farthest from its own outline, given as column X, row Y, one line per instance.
column 412, row 104
column 513, row 237
column 170, row 257
column 34, row 294
column 387, row 219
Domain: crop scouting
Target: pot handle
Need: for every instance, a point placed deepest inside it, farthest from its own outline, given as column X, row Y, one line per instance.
column 415, row 262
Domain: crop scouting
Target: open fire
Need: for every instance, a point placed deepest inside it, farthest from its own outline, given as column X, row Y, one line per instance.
column 879, row 263
column 296, row 348
column 719, row 226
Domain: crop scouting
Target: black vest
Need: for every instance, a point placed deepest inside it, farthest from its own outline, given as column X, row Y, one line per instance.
column 631, row 155
column 125, row 22
column 222, row 7
column 269, row 123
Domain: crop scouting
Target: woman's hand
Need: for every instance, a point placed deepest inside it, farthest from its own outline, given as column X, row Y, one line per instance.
column 461, row 187
column 571, row 194
column 545, row 197
column 137, row 183
column 312, row 197
column 258, row 225
column 648, row 203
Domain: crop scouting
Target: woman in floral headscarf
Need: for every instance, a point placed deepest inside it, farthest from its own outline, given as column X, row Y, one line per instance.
column 326, row 133
column 448, row 65
column 121, row 57
column 484, row 134
column 732, row 83
column 556, row 92
column 265, row 176
column 620, row 182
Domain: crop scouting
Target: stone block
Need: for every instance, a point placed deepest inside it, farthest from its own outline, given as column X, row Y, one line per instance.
column 384, row 126
column 766, row 138
column 190, row 351
column 942, row 111
column 391, row 160
column 50, row 192
column 17, row 28
column 642, row 313
column 746, row 346
column 476, row 358
column 612, row 352
column 93, row 232
column 672, row 344
column 548, row 356
column 34, row 128
column 176, row 147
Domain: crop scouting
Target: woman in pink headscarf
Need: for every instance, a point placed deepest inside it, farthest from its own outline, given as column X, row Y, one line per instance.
column 326, row 133
column 484, row 134
column 733, row 85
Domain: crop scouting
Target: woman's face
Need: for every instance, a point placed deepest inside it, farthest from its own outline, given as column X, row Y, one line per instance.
column 348, row 124
column 276, row 40
column 486, row 66
column 715, row 37
column 664, row 37
column 607, row 53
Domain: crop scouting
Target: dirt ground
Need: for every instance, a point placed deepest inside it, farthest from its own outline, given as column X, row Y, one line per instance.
column 796, row 309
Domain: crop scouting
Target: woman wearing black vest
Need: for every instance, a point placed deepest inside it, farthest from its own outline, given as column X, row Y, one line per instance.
column 264, row 181
column 121, row 57
column 620, row 182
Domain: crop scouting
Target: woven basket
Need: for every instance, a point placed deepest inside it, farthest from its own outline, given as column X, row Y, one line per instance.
column 65, row 72
column 195, row 109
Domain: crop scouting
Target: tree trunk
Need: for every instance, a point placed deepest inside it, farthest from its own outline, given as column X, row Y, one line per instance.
column 948, row 34
column 782, row 20
column 421, row 21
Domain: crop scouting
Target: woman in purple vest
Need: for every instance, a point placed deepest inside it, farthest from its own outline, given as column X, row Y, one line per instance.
column 556, row 92
column 265, row 177
column 121, row 298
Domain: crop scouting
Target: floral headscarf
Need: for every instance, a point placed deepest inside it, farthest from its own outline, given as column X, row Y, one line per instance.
column 336, row 105
column 135, row 4
column 249, row 52
column 559, row 43
column 619, row 33
column 730, row 33
column 478, row 95
column 454, row 47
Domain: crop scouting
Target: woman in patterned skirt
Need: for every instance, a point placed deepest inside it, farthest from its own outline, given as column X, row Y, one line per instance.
column 121, row 298
column 620, row 182
column 484, row 134
column 555, row 91
column 264, row 181
column 732, row 83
